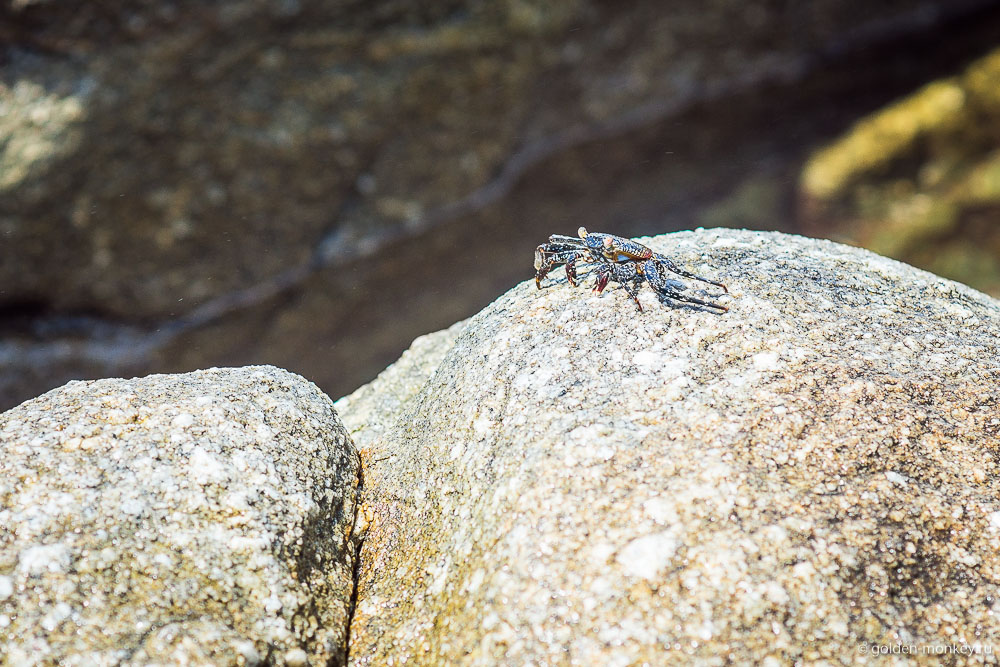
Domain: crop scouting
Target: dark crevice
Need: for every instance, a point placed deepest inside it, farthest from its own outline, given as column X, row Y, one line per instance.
column 41, row 320
column 358, row 539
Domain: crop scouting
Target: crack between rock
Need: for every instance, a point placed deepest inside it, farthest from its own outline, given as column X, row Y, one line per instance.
column 358, row 537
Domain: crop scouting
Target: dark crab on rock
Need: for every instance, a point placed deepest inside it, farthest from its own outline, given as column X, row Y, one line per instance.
column 617, row 259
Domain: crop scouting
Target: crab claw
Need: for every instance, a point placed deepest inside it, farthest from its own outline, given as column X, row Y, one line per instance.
column 571, row 272
column 582, row 232
column 602, row 281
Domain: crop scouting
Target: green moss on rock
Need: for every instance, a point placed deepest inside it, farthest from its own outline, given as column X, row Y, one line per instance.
column 915, row 180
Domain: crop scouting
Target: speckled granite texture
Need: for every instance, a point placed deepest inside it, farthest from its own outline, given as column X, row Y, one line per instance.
column 563, row 480
column 176, row 519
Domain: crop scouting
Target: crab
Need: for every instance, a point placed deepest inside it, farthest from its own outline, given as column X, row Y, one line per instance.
column 592, row 248
column 619, row 260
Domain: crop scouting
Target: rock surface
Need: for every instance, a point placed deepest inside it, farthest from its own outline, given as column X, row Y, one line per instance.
column 563, row 479
column 176, row 519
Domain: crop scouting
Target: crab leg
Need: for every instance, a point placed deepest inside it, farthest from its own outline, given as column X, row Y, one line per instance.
column 633, row 292
column 687, row 274
column 548, row 258
column 658, row 281
column 624, row 274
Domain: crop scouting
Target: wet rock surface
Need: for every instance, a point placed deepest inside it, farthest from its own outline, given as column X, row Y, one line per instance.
column 564, row 479
column 186, row 519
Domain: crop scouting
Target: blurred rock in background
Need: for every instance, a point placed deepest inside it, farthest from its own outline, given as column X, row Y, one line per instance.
column 312, row 185
column 920, row 179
